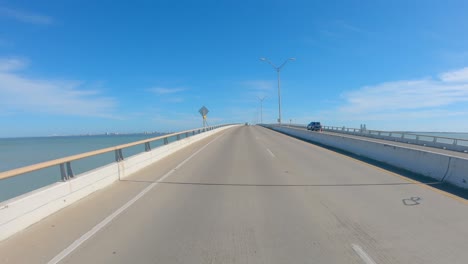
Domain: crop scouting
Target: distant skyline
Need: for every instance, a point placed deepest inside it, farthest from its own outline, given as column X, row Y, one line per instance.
column 78, row 67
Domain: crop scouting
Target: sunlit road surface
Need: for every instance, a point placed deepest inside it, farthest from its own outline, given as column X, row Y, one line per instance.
column 253, row 196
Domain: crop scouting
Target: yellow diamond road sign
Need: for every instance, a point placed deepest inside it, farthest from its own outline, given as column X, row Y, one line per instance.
column 203, row 111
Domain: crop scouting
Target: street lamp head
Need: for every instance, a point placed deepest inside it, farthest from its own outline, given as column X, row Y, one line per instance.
column 292, row 59
column 263, row 59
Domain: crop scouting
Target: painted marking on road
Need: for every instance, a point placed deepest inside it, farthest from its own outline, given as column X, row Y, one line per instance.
column 362, row 254
column 271, row 153
column 67, row 251
column 418, row 183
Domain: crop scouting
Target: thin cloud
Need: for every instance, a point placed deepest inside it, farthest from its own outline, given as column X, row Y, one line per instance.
column 255, row 89
column 164, row 90
column 28, row 95
column 410, row 99
column 5, row 43
column 405, row 95
column 259, row 85
column 455, row 76
column 340, row 28
column 176, row 100
column 348, row 26
column 12, row 64
column 26, row 17
column 328, row 33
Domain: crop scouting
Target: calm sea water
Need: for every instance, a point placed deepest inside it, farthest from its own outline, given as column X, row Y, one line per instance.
column 20, row 152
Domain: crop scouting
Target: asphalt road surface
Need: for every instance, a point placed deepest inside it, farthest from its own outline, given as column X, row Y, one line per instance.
column 252, row 195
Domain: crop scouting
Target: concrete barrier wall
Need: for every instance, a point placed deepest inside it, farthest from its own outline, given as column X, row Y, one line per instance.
column 458, row 173
column 20, row 212
column 415, row 141
column 440, row 167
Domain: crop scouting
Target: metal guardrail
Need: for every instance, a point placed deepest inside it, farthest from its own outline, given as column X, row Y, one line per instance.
column 455, row 144
column 65, row 164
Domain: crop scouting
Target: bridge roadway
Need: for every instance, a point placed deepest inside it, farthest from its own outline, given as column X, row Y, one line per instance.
column 252, row 195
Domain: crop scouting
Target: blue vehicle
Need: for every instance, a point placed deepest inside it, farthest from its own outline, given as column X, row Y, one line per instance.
column 314, row 126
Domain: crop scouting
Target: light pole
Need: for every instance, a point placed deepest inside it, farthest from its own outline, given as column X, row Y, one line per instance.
column 261, row 108
column 278, row 69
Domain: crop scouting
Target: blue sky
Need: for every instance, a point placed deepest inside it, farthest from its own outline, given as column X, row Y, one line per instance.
column 71, row 67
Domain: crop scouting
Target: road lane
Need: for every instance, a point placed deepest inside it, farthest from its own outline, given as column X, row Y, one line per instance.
column 47, row 238
column 234, row 202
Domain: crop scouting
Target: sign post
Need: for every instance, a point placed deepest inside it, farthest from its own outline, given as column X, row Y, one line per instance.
column 203, row 112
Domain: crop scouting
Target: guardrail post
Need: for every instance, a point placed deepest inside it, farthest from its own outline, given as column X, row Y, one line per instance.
column 193, row 132
column 63, row 172
column 434, row 140
column 166, row 141
column 118, row 155
column 147, row 147
column 186, row 134
column 66, row 171
column 69, row 170
column 178, row 137
column 455, row 142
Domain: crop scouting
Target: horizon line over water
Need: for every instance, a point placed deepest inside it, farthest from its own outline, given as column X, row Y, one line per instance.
column 110, row 134
column 19, row 152
column 38, row 149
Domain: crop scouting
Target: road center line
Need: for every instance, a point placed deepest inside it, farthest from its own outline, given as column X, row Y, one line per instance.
column 271, row 153
column 363, row 254
column 109, row 218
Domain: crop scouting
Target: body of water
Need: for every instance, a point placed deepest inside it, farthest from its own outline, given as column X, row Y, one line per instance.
column 20, row 152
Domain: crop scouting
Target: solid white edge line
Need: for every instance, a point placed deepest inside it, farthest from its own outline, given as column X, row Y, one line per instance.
column 271, row 153
column 64, row 253
column 363, row 254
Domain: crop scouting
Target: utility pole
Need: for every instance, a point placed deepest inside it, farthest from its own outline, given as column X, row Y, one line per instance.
column 278, row 69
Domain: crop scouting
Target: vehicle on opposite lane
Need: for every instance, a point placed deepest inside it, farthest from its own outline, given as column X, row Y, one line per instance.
column 314, row 126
